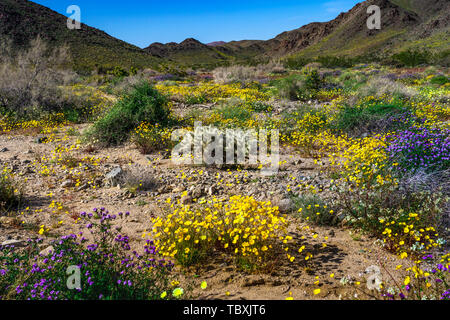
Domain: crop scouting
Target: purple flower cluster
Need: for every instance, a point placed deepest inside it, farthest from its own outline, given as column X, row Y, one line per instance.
column 420, row 148
column 108, row 269
column 164, row 77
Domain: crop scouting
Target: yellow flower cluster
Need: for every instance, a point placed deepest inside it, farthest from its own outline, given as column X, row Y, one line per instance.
column 408, row 235
column 434, row 114
column 363, row 161
column 46, row 125
column 247, row 229
column 149, row 138
column 213, row 92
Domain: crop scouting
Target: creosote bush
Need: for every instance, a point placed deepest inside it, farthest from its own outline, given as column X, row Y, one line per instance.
column 142, row 104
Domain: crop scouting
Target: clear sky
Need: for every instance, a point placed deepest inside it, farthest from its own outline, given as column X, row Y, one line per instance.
column 146, row 21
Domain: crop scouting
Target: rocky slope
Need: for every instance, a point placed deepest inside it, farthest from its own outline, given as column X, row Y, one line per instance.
column 402, row 21
column 405, row 23
column 22, row 20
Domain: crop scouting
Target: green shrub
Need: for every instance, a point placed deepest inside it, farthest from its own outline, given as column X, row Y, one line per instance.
column 119, row 72
column 312, row 208
column 142, row 104
column 412, row 58
column 234, row 112
column 440, row 80
column 295, row 63
column 289, row 87
column 364, row 208
column 372, row 118
column 313, row 80
column 10, row 194
column 260, row 107
column 299, row 87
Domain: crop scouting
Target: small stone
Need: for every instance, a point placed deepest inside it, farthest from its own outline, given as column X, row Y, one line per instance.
column 254, row 282
column 83, row 187
column 47, row 251
column 186, row 200
column 4, row 150
column 285, row 205
column 178, row 190
column 197, row 192
column 211, row 190
column 67, row 184
column 15, row 243
column 6, row 220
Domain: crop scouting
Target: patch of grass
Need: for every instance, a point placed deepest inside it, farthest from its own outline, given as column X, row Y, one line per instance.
column 234, row 112
column 369, row 119
column 314, row 209
column 440, row 80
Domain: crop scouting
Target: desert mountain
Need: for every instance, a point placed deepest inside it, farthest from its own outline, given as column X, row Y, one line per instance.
column 23, row 20
column 405, row 24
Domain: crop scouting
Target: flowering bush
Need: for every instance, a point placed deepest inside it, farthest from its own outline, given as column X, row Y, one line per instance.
column 10, row 195
column 427, row 279
column 143, row 103
column 108, row 268
column 251, row 231
column 149, row 138
column 420, row 148
column 409, row 232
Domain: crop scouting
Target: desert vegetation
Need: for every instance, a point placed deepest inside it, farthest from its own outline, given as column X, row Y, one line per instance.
column 363, row 181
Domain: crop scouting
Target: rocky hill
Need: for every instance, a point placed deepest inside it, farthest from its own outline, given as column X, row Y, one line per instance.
column 405, row 23
column 23, row 20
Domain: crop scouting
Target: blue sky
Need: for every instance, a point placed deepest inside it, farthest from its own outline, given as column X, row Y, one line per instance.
column 146, row 21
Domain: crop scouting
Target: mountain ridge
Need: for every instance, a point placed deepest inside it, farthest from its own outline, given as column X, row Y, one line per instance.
column 405, row 24
column 22, row 21
column 319, row 38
